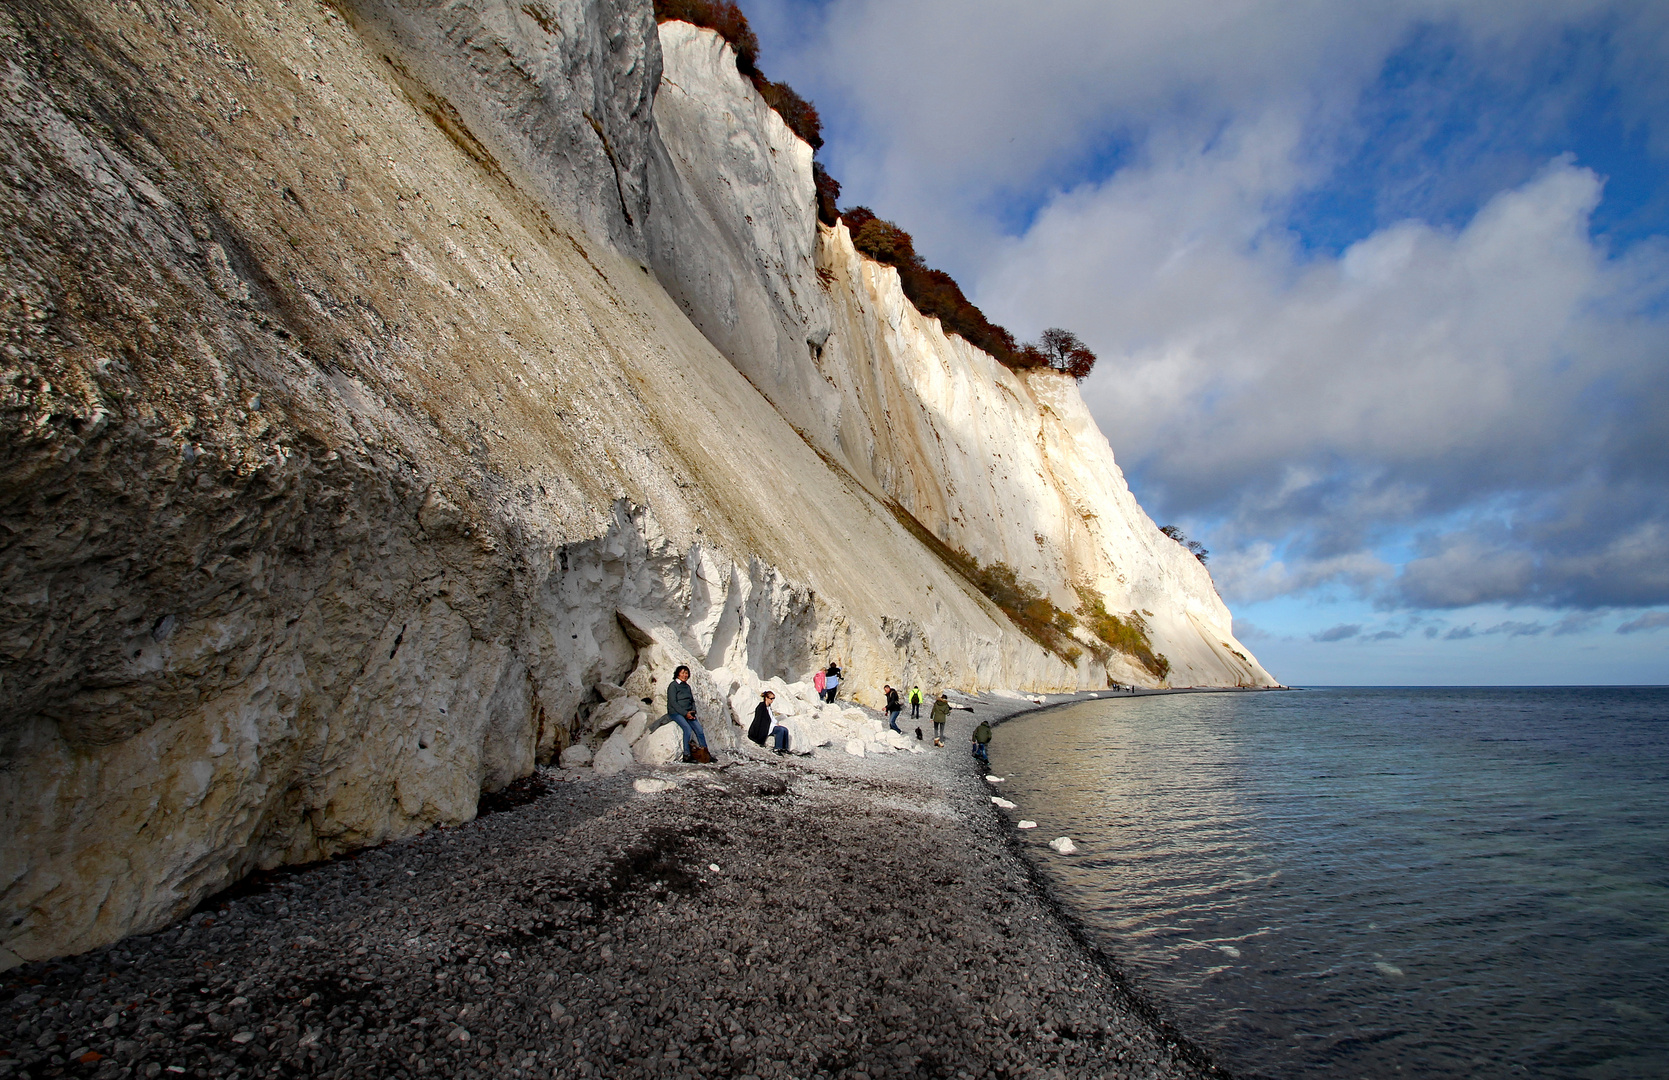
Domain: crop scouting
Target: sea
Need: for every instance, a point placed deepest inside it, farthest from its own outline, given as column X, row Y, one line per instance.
column 1371, row 882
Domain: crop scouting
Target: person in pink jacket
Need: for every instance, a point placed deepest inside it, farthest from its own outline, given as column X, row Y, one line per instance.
column 817, row 682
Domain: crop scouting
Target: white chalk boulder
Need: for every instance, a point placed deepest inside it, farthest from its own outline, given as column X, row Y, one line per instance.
column 1026, row 824
column 855, row 747
column 1004, row 803
column 661, row 746
column 614, row 755
column 1063, row 844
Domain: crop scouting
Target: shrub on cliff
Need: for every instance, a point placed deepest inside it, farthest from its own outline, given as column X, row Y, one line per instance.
column 828, row 193
column 1128, row 636
column 934, row 292
column 1197, row 549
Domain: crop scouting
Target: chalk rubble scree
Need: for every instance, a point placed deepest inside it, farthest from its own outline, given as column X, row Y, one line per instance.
column 394, row 392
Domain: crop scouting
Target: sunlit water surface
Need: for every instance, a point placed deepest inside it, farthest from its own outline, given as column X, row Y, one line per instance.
column 1373, row 883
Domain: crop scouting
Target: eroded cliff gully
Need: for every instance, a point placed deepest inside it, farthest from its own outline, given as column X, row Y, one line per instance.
column 390, row 388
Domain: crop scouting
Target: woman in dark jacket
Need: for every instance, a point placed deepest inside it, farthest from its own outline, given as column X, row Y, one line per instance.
column 763, row 721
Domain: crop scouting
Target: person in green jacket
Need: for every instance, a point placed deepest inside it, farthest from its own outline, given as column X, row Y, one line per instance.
column 941, row 711
column 982, row 738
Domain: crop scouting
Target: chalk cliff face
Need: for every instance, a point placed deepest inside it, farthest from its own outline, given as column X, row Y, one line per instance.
column 1009, row 467
column 353, row 456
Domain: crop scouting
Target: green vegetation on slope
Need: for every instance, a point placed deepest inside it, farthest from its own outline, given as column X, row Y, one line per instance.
column 1128, row 636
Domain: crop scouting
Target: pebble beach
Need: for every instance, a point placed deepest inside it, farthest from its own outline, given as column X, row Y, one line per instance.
column 762, row 916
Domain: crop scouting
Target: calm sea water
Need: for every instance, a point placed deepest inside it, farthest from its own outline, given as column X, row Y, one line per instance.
column 1373, row 882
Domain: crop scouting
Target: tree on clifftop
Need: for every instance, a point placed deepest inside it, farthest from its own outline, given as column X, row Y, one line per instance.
column 1065, row 351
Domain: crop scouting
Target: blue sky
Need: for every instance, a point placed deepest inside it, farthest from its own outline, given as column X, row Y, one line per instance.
column 1380, row 290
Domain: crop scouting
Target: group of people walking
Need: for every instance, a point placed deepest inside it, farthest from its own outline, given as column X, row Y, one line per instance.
column 766, row 727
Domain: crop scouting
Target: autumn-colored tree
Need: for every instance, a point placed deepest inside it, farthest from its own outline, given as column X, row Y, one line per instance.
column 828, row 193
column 1064, row 351
column 798, row 113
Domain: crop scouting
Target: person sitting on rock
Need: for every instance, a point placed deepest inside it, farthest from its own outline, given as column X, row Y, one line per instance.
column 779, row 734
column 893, row 709
column 680, row 705
column 763, row 720
column 982, row 739
column 941, row 713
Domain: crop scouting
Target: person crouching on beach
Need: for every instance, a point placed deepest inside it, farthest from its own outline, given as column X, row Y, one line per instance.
column 982, row 739
column 680, row 705
column 941, row 713
column 894, row 707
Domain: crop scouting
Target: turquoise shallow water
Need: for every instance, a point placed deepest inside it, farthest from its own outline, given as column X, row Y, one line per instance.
column 1372, row 882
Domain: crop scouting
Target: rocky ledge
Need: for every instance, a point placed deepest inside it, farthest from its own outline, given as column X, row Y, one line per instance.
column 825, row 915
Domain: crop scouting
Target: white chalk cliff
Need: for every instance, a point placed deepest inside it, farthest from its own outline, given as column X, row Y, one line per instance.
column 394, row 391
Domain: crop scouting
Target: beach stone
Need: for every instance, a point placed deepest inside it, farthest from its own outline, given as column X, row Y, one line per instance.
column 614, row 755
column 1026, row 824
column 1004, row 803
column 575, row 756
column 1063, row 844
column 648, row 785
column 856, row 747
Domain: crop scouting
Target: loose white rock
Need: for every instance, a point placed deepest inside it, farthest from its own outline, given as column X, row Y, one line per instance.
column 994, row 779
column 1063, row 844
column 1004, row 803
column 659, row 747
column 1026, row 824
column 614, row 755
column 855, row 747
column 575, row 756
column 649, row 786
